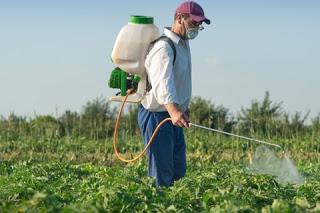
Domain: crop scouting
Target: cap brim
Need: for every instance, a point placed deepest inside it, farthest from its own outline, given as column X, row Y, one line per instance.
column 200, row 19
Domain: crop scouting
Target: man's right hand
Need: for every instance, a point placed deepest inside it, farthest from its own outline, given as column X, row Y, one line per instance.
column 178, row 117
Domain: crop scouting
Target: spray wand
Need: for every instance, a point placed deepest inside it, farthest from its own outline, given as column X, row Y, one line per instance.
column 234, row 135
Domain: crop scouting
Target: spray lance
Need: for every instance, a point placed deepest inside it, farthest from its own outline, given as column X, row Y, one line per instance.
column 234, row 135
column 130, row 76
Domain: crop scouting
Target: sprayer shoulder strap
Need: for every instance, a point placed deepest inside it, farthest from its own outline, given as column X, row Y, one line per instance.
column 170, row 42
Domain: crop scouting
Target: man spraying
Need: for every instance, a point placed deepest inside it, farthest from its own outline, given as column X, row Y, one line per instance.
column 168, row 65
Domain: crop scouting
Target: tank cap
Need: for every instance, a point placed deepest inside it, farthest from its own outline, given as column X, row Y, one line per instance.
column 141, row 19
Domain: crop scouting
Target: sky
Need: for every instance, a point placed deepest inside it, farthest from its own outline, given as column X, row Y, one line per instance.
column 55, row 55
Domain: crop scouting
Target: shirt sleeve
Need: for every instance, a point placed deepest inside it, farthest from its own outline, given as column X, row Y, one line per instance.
column 159, row 65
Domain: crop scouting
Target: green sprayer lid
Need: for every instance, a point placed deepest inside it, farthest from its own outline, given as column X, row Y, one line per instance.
column 141, row 19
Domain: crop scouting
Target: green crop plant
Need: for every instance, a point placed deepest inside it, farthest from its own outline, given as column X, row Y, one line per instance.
column 66, row 163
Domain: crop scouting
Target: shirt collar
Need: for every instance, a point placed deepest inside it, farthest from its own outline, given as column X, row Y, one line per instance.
column 174, row 37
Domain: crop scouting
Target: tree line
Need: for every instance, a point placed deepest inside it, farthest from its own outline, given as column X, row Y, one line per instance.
column 97, row 118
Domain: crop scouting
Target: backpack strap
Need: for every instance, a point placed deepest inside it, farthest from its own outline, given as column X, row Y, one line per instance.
column 170, row 42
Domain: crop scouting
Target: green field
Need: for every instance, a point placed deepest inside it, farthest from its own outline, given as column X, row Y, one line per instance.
column 72, row 175
column 67, row 163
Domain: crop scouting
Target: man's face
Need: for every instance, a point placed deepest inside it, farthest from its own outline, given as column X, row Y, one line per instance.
column 187, row 24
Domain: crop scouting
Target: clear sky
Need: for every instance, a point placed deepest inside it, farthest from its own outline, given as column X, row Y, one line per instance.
column 55, row 55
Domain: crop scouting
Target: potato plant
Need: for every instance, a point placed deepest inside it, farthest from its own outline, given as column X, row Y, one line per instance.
column 80, row 175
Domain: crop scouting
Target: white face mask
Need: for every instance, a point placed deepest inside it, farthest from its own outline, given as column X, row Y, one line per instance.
column 192, row 33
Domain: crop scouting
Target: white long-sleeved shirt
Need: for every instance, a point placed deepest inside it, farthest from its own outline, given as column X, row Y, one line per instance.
column 170, row 83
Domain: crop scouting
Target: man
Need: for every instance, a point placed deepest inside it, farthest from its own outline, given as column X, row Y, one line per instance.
column 169, row 73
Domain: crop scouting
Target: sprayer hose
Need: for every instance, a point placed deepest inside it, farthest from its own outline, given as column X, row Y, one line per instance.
column 115, row 135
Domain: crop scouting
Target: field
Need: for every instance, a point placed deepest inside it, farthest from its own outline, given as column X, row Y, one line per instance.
column 74, row 174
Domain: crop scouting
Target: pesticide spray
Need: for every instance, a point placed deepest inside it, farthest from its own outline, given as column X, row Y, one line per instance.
column 265, row 161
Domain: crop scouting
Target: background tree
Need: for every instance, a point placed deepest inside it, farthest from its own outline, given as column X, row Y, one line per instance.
column 97, row 118
column 261, row 117
column 200, row 111
column 70, row 121
column 13, row 127
column 315, row 123
column 131, row 119
column 46, row 126
column 205, row 113
column 297, row 124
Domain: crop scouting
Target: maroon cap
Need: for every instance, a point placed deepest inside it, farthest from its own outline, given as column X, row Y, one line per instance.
column 194, row 10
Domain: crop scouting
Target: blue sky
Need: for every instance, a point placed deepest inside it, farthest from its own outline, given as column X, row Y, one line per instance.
column 55, row 55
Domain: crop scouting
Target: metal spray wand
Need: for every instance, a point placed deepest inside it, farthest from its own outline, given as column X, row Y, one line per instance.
column 238, row 136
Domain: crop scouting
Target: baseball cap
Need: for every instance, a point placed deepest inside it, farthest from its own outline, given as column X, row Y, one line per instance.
column 194, row 10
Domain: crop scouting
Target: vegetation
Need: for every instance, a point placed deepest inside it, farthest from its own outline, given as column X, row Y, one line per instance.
column 67, row 164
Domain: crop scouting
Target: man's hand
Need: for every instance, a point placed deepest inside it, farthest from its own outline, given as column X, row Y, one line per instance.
column 178, row 117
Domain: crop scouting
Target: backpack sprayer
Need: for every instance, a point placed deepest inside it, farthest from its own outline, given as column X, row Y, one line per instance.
column 130, row 76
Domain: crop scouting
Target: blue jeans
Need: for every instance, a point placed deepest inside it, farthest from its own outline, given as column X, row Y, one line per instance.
column 167, row 154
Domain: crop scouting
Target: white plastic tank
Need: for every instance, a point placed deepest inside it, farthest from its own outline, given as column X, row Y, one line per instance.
column 132, row 43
